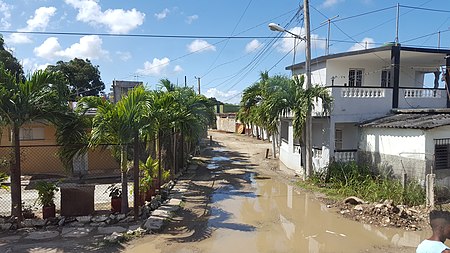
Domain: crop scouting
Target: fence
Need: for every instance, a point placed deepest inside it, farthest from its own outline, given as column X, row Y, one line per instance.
column 98, row 167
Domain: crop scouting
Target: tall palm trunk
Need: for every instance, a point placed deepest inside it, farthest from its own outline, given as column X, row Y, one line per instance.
column 123, row 167
column 182, row 148
column 174, row 170
column 274, row 146
column 136, row 176
column 159, row 159
column 16, row 191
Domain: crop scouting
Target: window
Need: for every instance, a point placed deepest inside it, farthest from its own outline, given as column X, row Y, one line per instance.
column 386, row 78
column 338, row 139
column 284, row 131
column 441, row 154
column 355, row 77
column 31, row 133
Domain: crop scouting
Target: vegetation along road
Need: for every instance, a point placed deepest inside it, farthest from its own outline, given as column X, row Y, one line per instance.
column 239, row 201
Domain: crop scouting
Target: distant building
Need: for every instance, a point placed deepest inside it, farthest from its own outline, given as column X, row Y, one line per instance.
column 121, row 88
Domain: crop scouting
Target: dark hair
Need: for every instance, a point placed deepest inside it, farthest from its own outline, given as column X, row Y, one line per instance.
column 436, row 214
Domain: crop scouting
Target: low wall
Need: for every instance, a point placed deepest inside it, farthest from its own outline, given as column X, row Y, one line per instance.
column 395, row 166
column 227, row 124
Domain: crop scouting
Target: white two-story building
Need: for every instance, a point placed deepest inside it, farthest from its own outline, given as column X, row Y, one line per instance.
column 366, row 86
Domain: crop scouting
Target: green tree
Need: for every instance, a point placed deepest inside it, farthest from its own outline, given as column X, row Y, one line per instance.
column 81, row 76
column 39, row 97
column 119, row 124
column 10, row 63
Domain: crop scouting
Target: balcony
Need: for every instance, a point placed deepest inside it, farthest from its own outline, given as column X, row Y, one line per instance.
column 369, row 101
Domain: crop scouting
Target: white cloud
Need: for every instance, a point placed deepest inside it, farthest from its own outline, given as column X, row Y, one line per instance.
column 49, row 49
column 178, row 69
column 124, row 56
column 229, row 96
column 117, row 20
column 286, row 44
column 31, row 65
column 252, row 46
column 191, row 19
column 39, row 22
column 89, row 47
column 5, row 11
column 365, row 43
column 156, row 67
column 18, row 38
column 41, row 18
column 162, row 14
column 331, row 3
column 200, row 46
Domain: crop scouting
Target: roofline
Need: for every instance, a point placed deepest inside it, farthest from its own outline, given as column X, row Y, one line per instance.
column 367, row 51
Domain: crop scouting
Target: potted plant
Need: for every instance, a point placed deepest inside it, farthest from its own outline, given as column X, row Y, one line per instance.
column 146, row 182
column 46, row 198
column 116, row 197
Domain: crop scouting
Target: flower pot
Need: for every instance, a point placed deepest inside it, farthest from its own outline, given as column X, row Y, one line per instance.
column 116, row 205
column 149, row 193
column 48, row 211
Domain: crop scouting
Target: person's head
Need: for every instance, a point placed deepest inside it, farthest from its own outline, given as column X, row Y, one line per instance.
column 440, row 223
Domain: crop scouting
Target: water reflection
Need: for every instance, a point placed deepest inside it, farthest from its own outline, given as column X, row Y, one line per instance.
column 288, row 221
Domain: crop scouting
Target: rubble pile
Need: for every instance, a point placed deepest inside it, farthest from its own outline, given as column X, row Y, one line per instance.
column 384, row 213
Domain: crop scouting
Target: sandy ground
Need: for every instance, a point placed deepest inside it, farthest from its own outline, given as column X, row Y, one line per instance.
column 192, row 228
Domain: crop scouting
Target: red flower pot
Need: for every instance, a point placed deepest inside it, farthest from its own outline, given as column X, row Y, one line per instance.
column 48, row 211
column 116, row 205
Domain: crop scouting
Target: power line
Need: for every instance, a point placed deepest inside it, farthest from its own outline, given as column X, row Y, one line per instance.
column 425, row 9
column 136, row 35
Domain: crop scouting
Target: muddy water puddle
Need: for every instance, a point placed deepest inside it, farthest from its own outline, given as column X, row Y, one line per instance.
column 259, row 214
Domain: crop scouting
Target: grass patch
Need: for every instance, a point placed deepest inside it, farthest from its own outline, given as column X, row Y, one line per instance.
column 349, row 179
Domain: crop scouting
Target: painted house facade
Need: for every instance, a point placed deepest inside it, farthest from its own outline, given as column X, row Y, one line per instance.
column 365, row 85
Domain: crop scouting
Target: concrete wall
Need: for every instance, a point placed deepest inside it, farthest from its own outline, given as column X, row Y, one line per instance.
column 395, row 151
column 227, row 124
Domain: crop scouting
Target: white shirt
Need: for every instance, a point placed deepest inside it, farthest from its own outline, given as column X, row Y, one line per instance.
column 428, row 246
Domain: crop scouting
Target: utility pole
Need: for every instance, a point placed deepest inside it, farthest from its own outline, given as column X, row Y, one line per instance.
column 198, row 83
column 327, row 50
column 308, row 122
column 397, row 24
column 185, row 81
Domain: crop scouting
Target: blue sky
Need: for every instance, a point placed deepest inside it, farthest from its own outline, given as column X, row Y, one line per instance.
column 225, row 66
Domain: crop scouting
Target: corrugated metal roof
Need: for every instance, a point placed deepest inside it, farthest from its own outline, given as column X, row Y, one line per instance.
column 425, row 120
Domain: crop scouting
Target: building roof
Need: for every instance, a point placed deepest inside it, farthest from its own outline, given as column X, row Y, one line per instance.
column 389, row 46
column 412, row 119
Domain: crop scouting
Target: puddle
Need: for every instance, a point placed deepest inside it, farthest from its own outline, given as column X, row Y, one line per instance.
column 270, row 216
column 219, row 159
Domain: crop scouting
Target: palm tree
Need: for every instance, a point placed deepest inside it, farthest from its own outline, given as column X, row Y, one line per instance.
column 40, row 97
column 119, row 125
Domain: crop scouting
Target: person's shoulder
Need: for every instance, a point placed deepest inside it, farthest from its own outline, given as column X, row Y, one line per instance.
column 432, row 246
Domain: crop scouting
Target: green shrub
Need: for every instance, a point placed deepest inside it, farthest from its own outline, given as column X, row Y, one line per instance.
column 350, row 179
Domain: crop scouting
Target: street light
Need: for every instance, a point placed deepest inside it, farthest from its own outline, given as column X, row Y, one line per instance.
column 277, row 28
column 308, row 169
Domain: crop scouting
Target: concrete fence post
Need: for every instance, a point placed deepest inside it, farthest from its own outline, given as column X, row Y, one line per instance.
column 429, row 187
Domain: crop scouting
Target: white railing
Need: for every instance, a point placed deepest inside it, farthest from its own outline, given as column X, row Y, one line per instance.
column 317, row 153
column 422, row 93
column 345, row 155
column 359, row 92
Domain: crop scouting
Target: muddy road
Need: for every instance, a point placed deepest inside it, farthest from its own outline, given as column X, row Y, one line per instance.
column 238, row 201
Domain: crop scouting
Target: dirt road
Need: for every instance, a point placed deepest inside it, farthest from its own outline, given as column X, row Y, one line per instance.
column 238, row 201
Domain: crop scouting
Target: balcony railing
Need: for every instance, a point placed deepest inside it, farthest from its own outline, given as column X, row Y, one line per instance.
column 422, row 93
column 361, row 92
column 345, row 155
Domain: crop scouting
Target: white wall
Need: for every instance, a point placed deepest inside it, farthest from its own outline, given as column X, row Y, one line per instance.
column 318, row 74
column 393, row 141
column 339, row 69
column 226, row 124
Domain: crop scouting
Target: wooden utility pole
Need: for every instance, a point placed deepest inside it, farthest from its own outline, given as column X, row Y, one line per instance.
column 308, row 123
